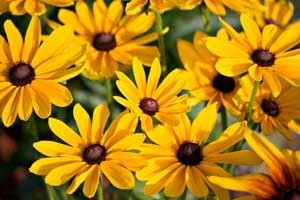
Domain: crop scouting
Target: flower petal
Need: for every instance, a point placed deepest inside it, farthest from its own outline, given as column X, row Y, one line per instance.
column 100, row 117
column 50, row 148
column 83, row 122
column 92, row 180
column 15, row 41
column 195, row 182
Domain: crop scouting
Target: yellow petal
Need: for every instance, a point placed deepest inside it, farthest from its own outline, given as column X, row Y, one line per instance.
column 100, row 117
column 127, row 88
column 195, row 182
column 251, row 30
column 269, row 33
column 25, row 104
column 85, row 17
column 79, row 178
column 50, row 148
column 83, row 122
column 15, row 41
column 257, row 184
column 58, row 94
column 131, row 161
column 40, row 101
column 45, row 165
column 113, row 15
column 176, row 185
column 119, row 176
column 163, row 136
column 272, row 81
column 274, row 159
column 62, row 174
column 51, row 46
column 153, row 78
column 9, row 112
column 32, row 39
column 229, row 137
column 204, row 123
column 70, row 18
column 92, row 180
column 243, row 157
column 233, row 66
column 64, row 132
column 129, row 142
column 224, row 48
column 140, row 77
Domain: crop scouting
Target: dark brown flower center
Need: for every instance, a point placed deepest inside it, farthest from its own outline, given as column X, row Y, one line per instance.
column 223, row 84
column 263, row 58
column 21, row 74
column 149, row 106
column 104, row 42
column 291, row 195
column 270, row 107
column 189, row 154
column 94, row 154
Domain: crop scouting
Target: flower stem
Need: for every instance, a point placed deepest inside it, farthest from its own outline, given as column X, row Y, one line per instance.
column 161, row 42
column 33, row 128
column 100, row 190
column 252, row 99
column 223, row 117
column 205, row 18
column 108, row 92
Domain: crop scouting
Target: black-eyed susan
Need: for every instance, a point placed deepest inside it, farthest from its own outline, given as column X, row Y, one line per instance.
column 276, row 12
column 280, row 112
column 203, row 82
column 147, row 99
column 218, row 7
column 180, row 157
column 282, row 182
column 30, row 71
column 85, row 157
column 20, row 7
column 112, row 39
column 265, row 55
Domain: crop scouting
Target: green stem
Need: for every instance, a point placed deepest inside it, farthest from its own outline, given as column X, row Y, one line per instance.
column 223, row 118
column 251, row 102
column 100, row 190
column 108, row 92
column 205, row 18
column 33, row 128
column 161, row 42
column 51, row 193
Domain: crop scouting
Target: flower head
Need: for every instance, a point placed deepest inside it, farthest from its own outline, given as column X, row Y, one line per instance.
column 283, row 180
column 94, row 152
column 180, row 157
column 265, row 55
column 20, row 7
column 272, row 112
column 30, row 71
column 202, row 80
column 278, row 13
column 112, row 39
column 147, row 99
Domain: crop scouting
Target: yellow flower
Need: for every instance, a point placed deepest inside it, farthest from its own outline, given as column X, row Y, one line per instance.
column 283, row 180
column 30, row 71
column 20, row 7
column 276, row 12
column 218, row 6
column 269, row 111
column 180, row 156
column 202, row 80
column 147, row 99
column 112, row 40
column 265, row 55
column 86, row 156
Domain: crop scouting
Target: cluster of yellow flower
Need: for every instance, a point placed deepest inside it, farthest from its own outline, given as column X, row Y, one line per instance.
column 254, row 75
